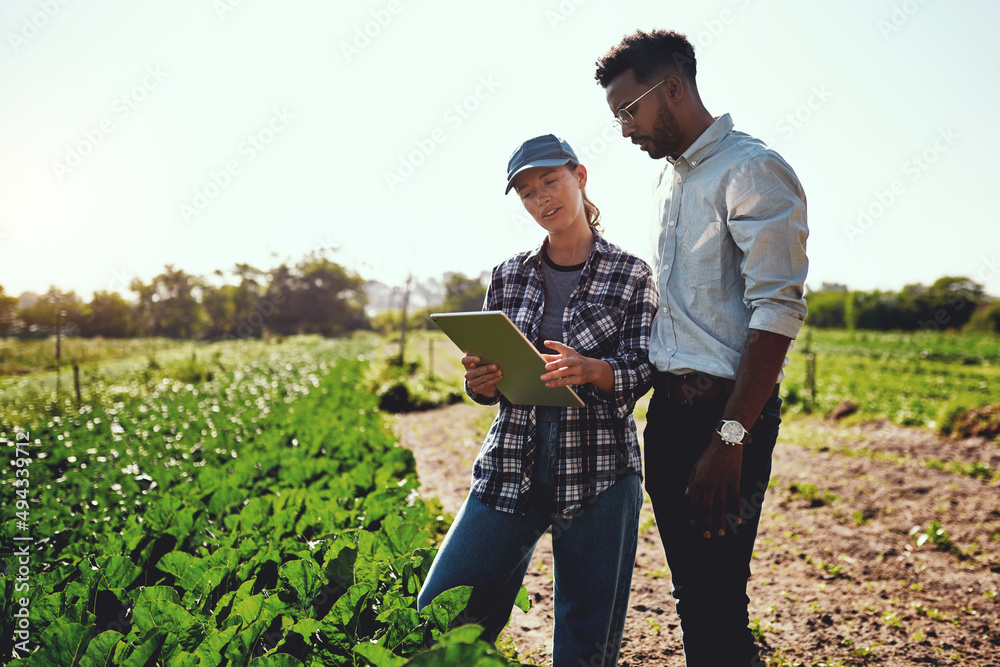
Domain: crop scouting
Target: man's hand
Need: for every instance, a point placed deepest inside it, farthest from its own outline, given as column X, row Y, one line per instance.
column 714, row 488
column 482, row 380
column 714, row 485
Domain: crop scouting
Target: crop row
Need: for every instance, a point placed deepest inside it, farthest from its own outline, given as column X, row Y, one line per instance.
column 266, row 517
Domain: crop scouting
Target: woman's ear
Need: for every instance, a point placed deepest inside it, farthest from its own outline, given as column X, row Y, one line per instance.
column 581, row 175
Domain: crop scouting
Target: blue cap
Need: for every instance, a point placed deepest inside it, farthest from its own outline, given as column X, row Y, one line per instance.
column 547, row 150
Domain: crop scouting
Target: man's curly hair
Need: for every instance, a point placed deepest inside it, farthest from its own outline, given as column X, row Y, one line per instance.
column 648, row 54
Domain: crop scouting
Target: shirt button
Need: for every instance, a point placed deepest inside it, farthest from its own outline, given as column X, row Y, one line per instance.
column 665, row 311
column 671, row 223
column 694, row 162
column 666, row 267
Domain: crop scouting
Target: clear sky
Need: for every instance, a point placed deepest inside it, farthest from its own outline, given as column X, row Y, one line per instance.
column 207, row 133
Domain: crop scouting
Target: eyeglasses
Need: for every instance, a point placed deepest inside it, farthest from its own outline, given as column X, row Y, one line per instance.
column 624, row 117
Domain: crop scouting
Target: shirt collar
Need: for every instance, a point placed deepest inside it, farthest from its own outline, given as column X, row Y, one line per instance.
column 600, row 246
column 705, row 144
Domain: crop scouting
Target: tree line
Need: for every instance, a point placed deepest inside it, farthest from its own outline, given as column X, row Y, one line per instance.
column 318, row 295
column 313, row 296
column 952, row 303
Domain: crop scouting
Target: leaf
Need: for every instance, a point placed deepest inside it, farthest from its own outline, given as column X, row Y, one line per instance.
column 379, row 656
column 162, row 513
column 340, row 569
column 225, row 604
column 147, row 650
column 179, row 563
column 240, row 648
column 346, row 612
column 172, row 618
column 199, row 576
column 363, row 476
column 100, row 650
column 464, row 634
column 306, row 626
column 405, row 537
column 224, row 557
column 64, row 643
column 210, row 650
column 248, row 610
column 470, row 655
column 255, row 513
column 304, row 576
column 150, row 593
column 447, row 606
column 223, row 499
column 400, row 623
column 117, row 572
column 276, row 660
column 183, row 659
column 523, row 600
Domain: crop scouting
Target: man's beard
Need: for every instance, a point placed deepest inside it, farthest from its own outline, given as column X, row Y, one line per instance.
column 666, row 135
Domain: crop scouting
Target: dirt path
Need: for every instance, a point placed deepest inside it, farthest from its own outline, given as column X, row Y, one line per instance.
column 839, row 578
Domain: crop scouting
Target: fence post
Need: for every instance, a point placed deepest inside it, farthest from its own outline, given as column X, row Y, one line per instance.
column 76, row 383
column 810, row 372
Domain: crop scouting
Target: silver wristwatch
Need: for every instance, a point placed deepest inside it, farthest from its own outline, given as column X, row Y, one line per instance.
column 733, row 433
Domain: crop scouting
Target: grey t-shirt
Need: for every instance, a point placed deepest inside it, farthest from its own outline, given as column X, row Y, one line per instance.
column 560, row 281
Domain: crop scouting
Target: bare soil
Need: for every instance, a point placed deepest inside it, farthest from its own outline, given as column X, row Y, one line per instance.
column 839, row 576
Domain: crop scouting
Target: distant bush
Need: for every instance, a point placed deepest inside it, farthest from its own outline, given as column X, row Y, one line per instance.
column 826, row 309
column 986, row 318
column 407, row 387
column 948, row 304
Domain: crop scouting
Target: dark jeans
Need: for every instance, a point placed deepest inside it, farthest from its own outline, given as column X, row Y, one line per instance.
column 593, row 557
column 709, row 576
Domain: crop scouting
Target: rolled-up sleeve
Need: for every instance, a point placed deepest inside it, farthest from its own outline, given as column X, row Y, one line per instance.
column 767, row 220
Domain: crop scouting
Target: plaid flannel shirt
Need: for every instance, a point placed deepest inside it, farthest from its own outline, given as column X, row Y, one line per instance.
column 608, row 316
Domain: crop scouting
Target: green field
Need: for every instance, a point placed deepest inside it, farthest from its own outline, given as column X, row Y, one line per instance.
column 913, row 379
column 251, row 509
column 21, row 357
column 246, row 501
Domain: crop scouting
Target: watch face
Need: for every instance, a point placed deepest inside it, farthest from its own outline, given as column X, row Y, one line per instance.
column 732, row 431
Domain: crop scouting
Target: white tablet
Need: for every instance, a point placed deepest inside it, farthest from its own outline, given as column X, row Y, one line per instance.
column 491, row 336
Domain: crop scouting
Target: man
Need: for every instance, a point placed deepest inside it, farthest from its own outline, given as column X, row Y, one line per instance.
column 730, row 265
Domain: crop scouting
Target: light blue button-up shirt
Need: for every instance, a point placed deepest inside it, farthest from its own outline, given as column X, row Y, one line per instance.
column 731, row 254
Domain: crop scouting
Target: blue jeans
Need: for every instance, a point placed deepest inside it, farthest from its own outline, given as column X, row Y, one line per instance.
column 708, row 577
column 593, row 553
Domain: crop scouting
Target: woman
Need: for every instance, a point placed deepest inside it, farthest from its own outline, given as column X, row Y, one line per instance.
column 589, row 307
